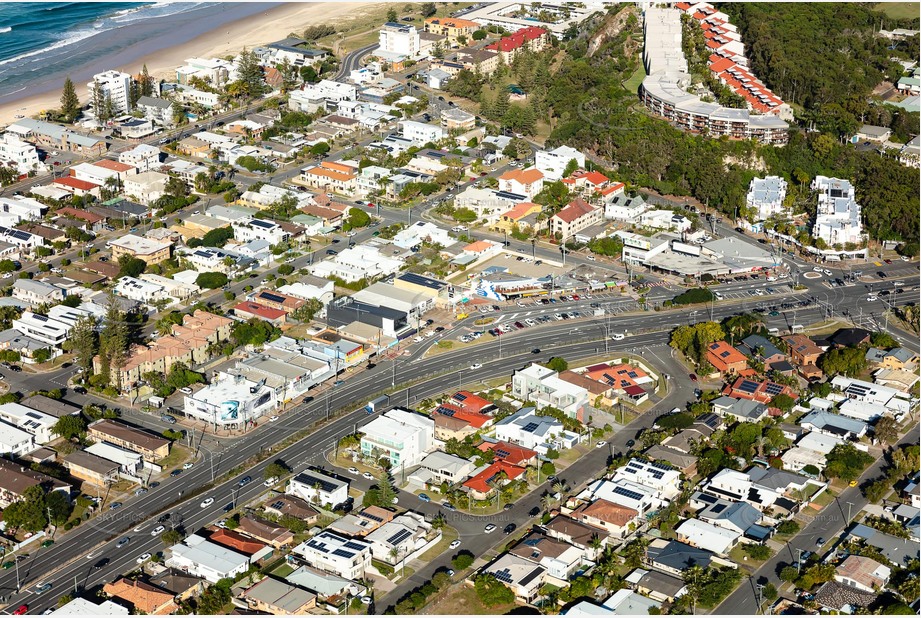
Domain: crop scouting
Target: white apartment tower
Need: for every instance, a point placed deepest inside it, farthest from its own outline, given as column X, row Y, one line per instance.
column 117, row 86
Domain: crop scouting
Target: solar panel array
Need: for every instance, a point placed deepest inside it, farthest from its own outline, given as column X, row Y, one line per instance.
column 343, row 554
column 275, row 298
column 627, row 493
column 747, row 386
column 773, row 389
column 277, row 505
column 530, row 427
column 504, row 576
column 446, row 411
column 398, row 537
column 459, row 397
column 502, row 453
column 354, row 545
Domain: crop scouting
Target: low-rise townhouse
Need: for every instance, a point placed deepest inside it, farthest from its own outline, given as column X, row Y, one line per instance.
column 332, row 553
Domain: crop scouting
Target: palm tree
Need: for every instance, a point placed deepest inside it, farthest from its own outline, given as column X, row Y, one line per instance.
column 546, row 501
column 692, row 576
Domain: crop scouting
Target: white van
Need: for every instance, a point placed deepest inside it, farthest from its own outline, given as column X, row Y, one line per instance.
column 774, row 331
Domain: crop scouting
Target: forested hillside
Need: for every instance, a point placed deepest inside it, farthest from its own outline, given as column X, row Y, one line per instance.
column 593, row 111
column 826, row 58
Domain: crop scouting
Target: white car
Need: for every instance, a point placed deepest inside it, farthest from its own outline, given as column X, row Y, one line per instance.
column 157, row 530
column 489, row 528
column 431, row 333
column 530, row 322
column 187, row 465
column 618, row 336
column 206, row 503
column 418, row 338
column 600, row 444
column 827, row 272
column 368, row 476
column 454, row 544
column 143, row 558
column 872, row 297
column 366, row 600
column 476, row 366
column 590, row 258
column 272, row 419
column 353, row 470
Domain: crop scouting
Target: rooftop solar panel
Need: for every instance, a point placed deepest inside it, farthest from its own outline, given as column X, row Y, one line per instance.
column 275, row 298
column 530, row 427
column 354, row 545
column 399, row 537
column 621, row 491
column 748, row 386
column 343, row 554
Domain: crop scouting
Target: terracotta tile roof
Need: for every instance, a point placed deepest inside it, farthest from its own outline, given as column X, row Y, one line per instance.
column 606, row 511
column 144, row 597
column 236, row 541
column 516, row 40
column 508, row 452
column 616, row 376
column 75, row 183
column 525, row 177
column 521, row 210
column 261, row 311
column 115, row 166
column 480, row 482
column 474, row 419
column 722, row 355
column 478, row 246
column 575, row 210
column 83, row 215
column 470, row 402
column 593, row 386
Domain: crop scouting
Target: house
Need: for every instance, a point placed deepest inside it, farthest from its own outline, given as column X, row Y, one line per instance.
column 623, row 207
column 202, row 558
column 742, row 410
column 869, row 132
column 835, row 425
column 834, row 597
column 401, row 538
column 737, row 486
column 683, row 461
column 575, row 217
column 421, row 133
column 762, row 350
column 539, row 433
column 453, row 29
column 403, row 436
column 523, row 577
column 762, row 392
column 231, row 539
column 36, row 292
column 675, row 557
column 863, row 573
column 580, row 535
column 543, row 387
column 725, row 358
column 141, row 291
column 737, row 517
column 332, row 177
column 151, row 446
column 141, row 597
column 15, row 478
column 766, row 197
column 612, row 517
column 55, row 136
column 292, row 506
column 625, row 602
column 664, row 479
column 36, row 423
column 259, row 229
column 900, row 358
column 554, row 162
column 439, row 467
column 82, row 607
column 510, row 453
column 249, row 310
column 897, row 550
column 279, row 598
column 656, row 585
column 15, row 441
column 91, row 468
column 803, row 351
column 560, row 559
column 330, row 552
column 624, row 492
column 181, row 585
column 316, row 487
column 151, row 251
column 485, row 483
column 523, row 215
column 527, row 182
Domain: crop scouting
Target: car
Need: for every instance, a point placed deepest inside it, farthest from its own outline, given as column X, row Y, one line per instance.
column 187, row 465
column 508, row 506
column 489, row 528
column 509, row 528
column 852, row 484
column 448, row 506
column 176, row 472
column 143, row 558
column 872, row 297
column 475, row 366
column 454, row 544
column 418, row 339
column 600, row 444
column 819, row 542
column 368, row 476
column 881, row 274
column 630, row 443
column 366, row 600
column 353, row 470
column 269, row 482
column 140, row 491
column 535, row 351
column 534, row 512
column 40, row 588
column 424, row 498
column 9, row 564
column 887, row 261
column 617, row 336
column 273, row 418
column 115, row 505
column 22, row 609
column 246, row 480
column 331, row 252
column 206, row 503
column 153, row 485
column 163, row 518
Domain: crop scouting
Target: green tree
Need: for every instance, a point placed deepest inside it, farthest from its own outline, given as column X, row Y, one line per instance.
column 877, row 490
column 171, row 537
column 42, row 355
column 789, row 574
column 783, row 402
column 357, row 219
column 479, row 35
column 70, row 426
column 211, row 280
column 307, row 311
column 491, row 592
column 392, row 14
column 277, row 468
column 462, row 560
column 886, row 429
column 70, row 103
column 850, row 362
column 29, row 512
column 427, row 9
column 58, row 507
column 130, row 266
column 249, row 75
column 557, row 364
column 845, row 462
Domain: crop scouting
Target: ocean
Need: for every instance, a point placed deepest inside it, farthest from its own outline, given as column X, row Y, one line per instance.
column 42, row 42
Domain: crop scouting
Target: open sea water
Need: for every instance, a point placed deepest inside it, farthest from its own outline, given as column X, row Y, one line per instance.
column 42, row 42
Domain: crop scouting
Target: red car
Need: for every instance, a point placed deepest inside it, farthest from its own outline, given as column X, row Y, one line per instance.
column 888, row 261
column 575, row 297
column 370, row 205
column 22, row 609
column 693, row 377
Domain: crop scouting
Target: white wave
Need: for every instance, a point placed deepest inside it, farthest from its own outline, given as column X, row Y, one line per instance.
column 70, row 40
column 6, row 29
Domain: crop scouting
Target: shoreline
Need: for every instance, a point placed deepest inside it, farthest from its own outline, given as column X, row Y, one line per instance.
column 275, row 23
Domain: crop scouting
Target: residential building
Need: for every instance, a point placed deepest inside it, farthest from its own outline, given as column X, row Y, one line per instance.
column 15, row 478
column 439, row 467
column 741, row 410
column 259, row 229
column 487, row 481
column 332, row 177
column 141, row 597
column 579, row 535
column 762, row 392
column 149, row 250
column 82, row 607
column 41, row 328
column 156, row 110
column 726, row 359
column 554, row 162
column 663, row 478
column 141, row 291
column 863, row 573
column 523, row 577
column 838, row 220
column 715, row 539
column 675, row 557
column 622, row 207
column 19, row 154
column 56, row 136
column 656, row 585
column 539, row 433
column 403, row 436
column 454, row 118
column 401, row 538
column 248, row 310
column 266, row 531
column 575, row 217
column 451, row 28
column 399, row 41
column 543, row 387
column 531, row 38
column 151, row 446
column 280, row 598
column 612, row 517
column 330, row 552
column 91, row 468
column 231, row 400
column 37, row 423
column 143, row 157
column 15, row 441
column 835, row 425
column 37, row 292
column 316, row 487
column 421, row 133
column 766, row 197
column 200, row 557
column 560, row 559
column 116, row 87
column 527, row 182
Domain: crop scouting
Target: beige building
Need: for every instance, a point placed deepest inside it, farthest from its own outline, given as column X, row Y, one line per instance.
column 151, row 251
column 149, row 445
column 451, row 28
column 91, row 468
column 574, row 218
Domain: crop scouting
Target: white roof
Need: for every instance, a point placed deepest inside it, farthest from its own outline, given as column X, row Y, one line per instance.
column 139, row 244
column 210, row 555
column 707, row 536
column 116, row 454
column 13, row 436
column 82, row 607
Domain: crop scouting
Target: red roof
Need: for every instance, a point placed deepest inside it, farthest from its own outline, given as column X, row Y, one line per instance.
column 83, row 215
column 514, row 41
column 76, row 183
column 684, row 6
column 260, row 311
column 236, row 541
column 576, row 209
column 115, row 166
column 474, row 419
column 508, row 452
column 480, row 482
column 470, row 402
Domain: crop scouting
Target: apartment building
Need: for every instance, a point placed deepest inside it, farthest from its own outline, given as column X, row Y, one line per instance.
column 20, row 154
column 331, row 177
column 115, row 86
column 574, row 218
column 332, row 553
column 147, row 249
column 451, row 28
column 403, row 436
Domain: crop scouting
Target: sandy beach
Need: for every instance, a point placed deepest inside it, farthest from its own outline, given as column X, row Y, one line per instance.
column 274, row 24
